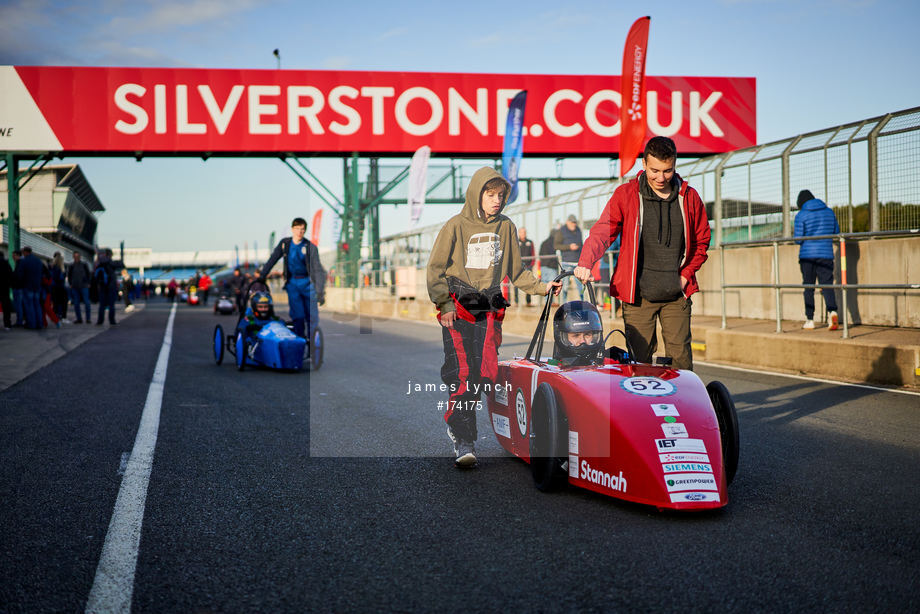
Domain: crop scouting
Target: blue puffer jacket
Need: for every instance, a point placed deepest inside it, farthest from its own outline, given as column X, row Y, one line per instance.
column 815, row 219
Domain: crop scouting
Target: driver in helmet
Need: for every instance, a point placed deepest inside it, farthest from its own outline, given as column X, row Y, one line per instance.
column 260, row 312
column 578, row 334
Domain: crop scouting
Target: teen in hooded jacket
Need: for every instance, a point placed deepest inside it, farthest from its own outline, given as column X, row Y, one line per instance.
column 475, row 250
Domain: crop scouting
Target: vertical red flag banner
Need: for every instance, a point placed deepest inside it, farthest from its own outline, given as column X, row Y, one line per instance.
column 632, row 89
column 314, row 233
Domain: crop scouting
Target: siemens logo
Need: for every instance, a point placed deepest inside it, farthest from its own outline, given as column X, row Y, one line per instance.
column 677, row 467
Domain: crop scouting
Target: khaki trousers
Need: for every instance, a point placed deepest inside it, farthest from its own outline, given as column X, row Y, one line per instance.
column 640, row 319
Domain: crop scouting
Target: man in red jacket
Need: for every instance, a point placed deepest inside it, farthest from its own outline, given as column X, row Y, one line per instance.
column 665, row 236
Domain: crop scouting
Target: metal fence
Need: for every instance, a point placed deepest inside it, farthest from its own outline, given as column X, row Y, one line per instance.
column 865, row 171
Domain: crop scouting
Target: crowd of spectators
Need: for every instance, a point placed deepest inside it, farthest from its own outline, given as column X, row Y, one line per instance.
column 35, row 294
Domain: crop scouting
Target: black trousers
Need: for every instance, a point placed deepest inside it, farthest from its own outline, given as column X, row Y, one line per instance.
column 821, row 269
column 470, row 360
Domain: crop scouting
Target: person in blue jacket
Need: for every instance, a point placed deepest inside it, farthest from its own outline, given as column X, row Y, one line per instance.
column 816, row 258
column 304, row 277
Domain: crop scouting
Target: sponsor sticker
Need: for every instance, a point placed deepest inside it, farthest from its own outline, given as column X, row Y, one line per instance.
column 647, row 386
column 573, row 466
column 684, row 458
column 681, row 497
column 680, row 445
column 690, row 481
column 573, row 442
column 664, row 409
column 602, row 478
column 502, row 425
column 501, row 394
column 683, row 467
column 676, row 429
column 520, row 408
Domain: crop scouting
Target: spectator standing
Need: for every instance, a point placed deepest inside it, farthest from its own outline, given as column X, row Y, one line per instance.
column 127, row 289
column 78, row 277
column 17, row 290
column 47, row 305
column 29, row 271
column 528, row 258
column 665, row 237
column 204, row 286
column 6, row 285
column 549, row 262
column 59, row 287
column 107, row 284
column 235, row 288
column 568, row 243
column 171, row 288
column 816, row 258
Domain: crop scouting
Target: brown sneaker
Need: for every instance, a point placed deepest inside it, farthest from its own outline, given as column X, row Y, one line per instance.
column 833, row 322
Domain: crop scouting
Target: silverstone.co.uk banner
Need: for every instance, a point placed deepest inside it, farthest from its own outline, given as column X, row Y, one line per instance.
column 177, row 110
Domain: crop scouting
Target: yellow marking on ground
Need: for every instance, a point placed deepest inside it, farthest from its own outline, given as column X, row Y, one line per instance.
column 699, row 347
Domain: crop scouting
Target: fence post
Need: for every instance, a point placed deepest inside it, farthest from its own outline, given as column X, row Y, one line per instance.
column 787, row 206
column 779, row 313
column 843, row 289
column 717, row 203
column 874, row 221
column 722, row 275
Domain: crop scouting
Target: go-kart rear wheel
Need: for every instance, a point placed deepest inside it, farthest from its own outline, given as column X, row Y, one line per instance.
column 728, row 426
column 242, row 349
column 549, row 442
column 317, row 348
column 219, row 344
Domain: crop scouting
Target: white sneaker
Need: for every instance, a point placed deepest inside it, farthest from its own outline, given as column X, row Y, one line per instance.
column 809, row 324
column 833, row 322
column 129, row 308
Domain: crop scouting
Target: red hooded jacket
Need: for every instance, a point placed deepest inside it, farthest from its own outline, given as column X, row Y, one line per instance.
column 623, row 214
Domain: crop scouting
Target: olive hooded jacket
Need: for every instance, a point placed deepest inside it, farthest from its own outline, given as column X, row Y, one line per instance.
column 479, row 252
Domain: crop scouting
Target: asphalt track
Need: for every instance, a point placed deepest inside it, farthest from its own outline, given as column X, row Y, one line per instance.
column 333, row 491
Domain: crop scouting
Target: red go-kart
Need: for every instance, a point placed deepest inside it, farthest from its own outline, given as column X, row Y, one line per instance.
column 639, row 432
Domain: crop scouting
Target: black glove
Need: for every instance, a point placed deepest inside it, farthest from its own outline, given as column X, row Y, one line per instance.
column 321, row 299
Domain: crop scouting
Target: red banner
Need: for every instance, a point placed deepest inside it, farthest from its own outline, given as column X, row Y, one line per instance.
column 263, row 112
column 314, row 230
column 632, row 85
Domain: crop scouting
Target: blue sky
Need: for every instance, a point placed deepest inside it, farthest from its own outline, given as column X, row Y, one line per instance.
column 817, row 64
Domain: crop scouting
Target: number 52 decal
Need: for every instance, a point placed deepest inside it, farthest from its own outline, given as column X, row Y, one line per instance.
column 647, row 386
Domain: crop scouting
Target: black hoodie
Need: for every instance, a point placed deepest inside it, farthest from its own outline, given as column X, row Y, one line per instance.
column 661, row 245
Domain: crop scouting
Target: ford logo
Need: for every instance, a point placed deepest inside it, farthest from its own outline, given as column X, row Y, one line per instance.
column 695, row 496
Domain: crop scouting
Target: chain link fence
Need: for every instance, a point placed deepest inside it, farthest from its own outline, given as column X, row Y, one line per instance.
column 862, row 170
column 865, row 171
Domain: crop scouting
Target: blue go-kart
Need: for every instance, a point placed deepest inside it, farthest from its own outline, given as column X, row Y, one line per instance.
column 274, row 346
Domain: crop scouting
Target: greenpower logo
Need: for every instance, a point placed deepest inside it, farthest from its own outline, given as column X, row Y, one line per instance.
column 670, row 419
column 670, row 482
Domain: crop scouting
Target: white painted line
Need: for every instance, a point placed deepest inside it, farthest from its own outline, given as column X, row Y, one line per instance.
column 114, row 583
column 807, row 379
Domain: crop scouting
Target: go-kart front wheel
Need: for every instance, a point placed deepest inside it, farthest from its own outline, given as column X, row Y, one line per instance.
column 242, row 349
column 728, row 427
column 549, row 442
column 317, row 348
column 219, row 344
